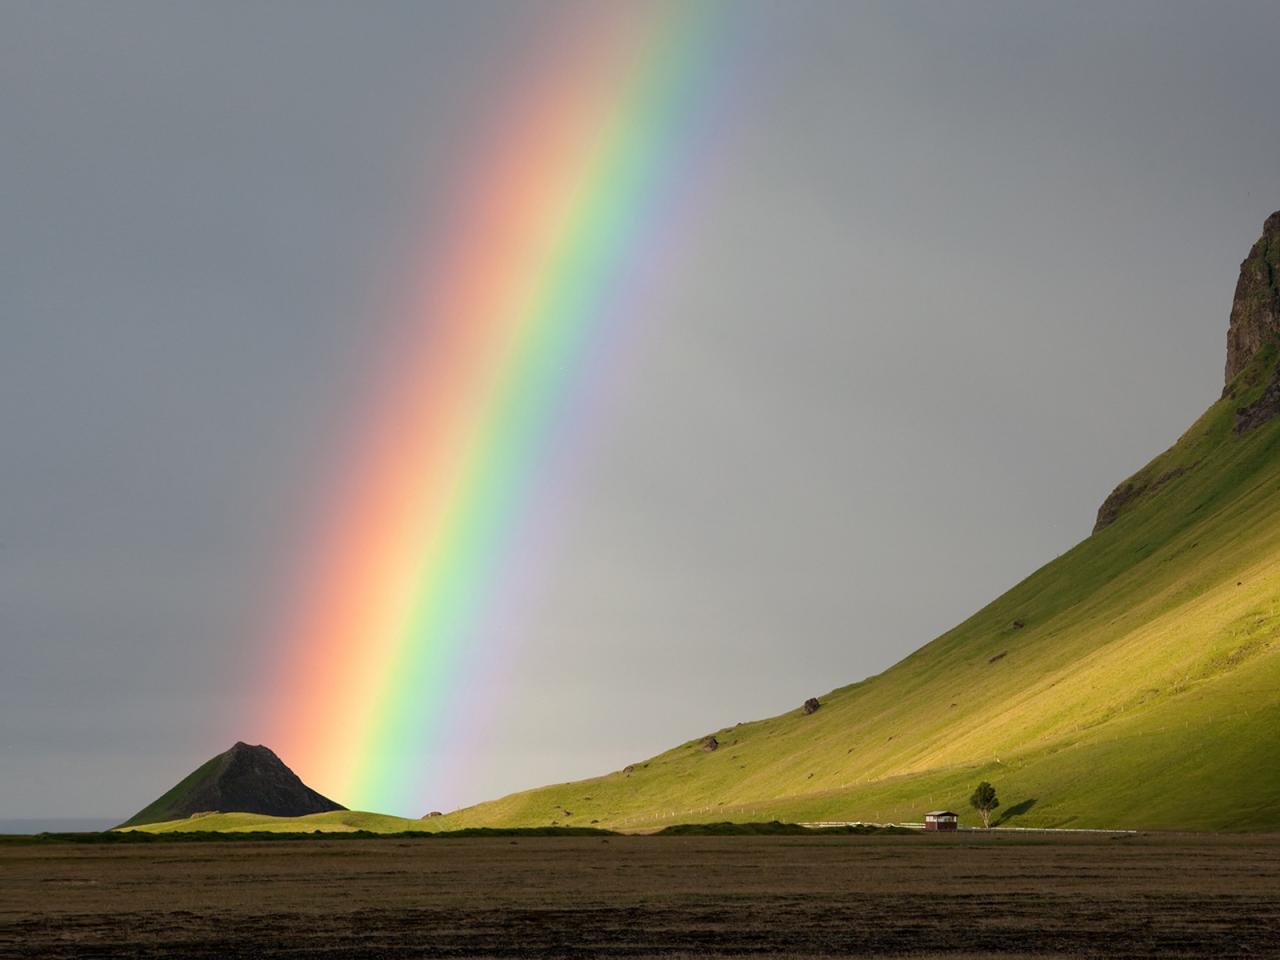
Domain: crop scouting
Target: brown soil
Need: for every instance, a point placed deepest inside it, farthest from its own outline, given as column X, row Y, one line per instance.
column 1008, row 895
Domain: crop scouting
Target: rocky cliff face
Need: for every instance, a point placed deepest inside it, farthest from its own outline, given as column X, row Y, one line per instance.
column 245, row 779
column 1254, row 328
column 1255, row 311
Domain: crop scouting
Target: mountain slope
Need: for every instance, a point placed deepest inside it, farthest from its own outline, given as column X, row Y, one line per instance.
column 1134, row 681
column 244, row 779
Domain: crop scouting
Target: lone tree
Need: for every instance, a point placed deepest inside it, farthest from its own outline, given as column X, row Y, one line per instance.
column 984, row 801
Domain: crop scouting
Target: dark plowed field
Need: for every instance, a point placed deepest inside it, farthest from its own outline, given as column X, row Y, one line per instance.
column 1097, row 895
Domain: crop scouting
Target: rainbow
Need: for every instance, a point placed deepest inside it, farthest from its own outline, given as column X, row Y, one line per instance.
column 560, row 213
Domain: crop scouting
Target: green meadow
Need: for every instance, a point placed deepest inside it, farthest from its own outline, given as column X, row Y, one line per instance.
column 205, row 826
column 1133, row 682
column 336, row 821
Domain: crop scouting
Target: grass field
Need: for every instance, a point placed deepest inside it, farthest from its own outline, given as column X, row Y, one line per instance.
column 336, row 821
column 768, row 897
column 213, row 825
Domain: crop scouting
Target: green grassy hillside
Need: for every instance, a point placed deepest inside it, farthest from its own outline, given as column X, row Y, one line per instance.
column 1132, row 682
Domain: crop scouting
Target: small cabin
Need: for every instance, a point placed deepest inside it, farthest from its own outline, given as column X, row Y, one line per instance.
column 941, row 820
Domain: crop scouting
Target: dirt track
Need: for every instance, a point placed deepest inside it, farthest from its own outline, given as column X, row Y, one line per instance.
column 1139, row 896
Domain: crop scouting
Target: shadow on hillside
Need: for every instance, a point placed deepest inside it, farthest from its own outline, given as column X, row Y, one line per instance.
column 1017, row 810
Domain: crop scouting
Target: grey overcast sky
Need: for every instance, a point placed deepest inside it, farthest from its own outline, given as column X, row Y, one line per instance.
column 959, row 269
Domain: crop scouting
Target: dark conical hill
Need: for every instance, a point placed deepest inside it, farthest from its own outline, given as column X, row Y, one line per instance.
column 245, row 779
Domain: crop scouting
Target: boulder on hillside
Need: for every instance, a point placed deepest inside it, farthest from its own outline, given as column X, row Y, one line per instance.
column 811, row 705
column 710, row 743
